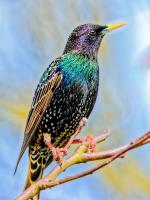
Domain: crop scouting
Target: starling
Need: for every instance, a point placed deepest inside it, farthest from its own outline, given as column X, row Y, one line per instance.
column 65, row 95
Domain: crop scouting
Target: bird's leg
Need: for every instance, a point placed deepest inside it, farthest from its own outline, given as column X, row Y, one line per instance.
column 81, row 125
column 58, row 153
column 88, row 140
column 47, row 140
column 72, row 138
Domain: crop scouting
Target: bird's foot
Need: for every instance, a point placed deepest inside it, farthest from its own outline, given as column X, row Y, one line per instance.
column 78, row 130
column 57, row 153
column 88, row 140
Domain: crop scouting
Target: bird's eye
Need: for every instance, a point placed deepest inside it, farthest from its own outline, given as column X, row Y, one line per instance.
column 93, row 33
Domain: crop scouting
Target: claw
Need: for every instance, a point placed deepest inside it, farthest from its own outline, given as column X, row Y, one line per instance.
column 58, row 153
column 91, row 142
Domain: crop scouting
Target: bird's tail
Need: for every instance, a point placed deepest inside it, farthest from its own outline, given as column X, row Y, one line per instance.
column 35, row 171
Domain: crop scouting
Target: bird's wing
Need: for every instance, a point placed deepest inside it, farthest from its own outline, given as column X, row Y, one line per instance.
column 50, row 81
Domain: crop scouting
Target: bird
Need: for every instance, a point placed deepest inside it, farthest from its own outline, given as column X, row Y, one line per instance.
column 65, row 95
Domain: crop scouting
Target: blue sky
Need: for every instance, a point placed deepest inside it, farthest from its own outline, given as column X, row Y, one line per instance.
column 32, row 35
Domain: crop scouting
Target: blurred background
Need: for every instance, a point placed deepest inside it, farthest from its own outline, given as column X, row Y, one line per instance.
column 32, row 34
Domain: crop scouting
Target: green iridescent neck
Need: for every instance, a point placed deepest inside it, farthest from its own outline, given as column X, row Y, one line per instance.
column 79, row 63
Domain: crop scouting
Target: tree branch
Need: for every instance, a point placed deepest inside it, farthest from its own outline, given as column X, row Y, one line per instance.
column 81, row 155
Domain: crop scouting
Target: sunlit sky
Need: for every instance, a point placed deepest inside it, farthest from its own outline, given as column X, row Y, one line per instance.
column 142, row 43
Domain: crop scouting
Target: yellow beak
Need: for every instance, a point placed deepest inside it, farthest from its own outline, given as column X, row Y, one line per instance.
column 112, row 27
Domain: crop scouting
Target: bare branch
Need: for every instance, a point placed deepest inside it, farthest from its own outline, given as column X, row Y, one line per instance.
column 81, row 156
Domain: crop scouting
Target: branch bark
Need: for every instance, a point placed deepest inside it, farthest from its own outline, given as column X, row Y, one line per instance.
column 81, row 155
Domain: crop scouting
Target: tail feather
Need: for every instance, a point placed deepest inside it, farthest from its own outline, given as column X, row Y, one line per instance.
column 38, row 161
column 35, row 172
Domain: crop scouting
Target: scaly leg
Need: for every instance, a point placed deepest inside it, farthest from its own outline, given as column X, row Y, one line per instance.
column 58, row 153
column 72, row 138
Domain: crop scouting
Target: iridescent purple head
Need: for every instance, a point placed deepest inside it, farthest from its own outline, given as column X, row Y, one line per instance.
column 86, row 39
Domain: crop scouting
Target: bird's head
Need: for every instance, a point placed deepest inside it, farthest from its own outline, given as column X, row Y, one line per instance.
column 87, row 38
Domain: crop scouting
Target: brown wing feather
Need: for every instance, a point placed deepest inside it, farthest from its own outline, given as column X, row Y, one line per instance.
column 39, row 107
column 43, row 95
